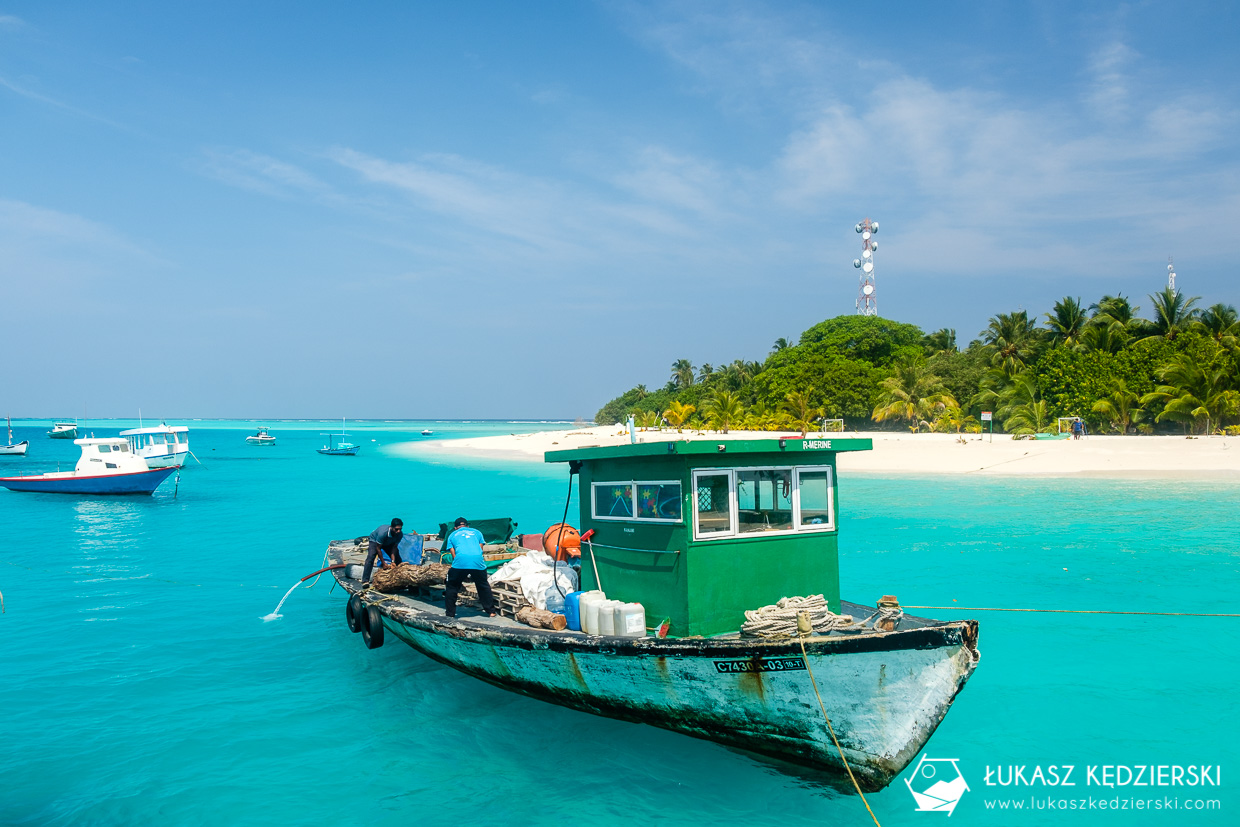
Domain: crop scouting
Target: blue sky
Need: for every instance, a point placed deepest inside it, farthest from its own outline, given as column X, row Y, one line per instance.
column 518, row 210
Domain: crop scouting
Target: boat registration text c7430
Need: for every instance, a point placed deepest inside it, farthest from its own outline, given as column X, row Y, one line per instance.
column 735, row 667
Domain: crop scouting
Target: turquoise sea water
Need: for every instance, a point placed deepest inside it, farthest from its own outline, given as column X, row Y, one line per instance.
column 140, row 685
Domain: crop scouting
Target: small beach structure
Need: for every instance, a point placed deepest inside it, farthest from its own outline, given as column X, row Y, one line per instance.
column 722, row 616
column 162, row 445
column 107, row 466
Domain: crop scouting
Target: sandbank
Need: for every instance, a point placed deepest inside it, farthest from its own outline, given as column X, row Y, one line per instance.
column 907, row 454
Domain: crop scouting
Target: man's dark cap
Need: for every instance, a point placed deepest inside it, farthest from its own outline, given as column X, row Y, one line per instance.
column 460, row 521
column 397, row 522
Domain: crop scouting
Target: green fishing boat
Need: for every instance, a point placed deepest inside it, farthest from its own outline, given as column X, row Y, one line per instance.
column 726, row 547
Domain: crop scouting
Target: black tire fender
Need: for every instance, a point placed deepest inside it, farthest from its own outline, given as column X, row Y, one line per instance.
column 353, row 613
column 372, row 627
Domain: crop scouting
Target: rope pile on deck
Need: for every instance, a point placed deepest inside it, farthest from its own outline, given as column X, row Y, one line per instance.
column 780, row 619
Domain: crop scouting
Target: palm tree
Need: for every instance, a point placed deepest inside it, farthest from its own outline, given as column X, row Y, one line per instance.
column 802, row 414
column 723, row 410
column 953, row 418
column 1191, row 393
column 1221, row 323
column 642, row 393
column 647, row 419
column 1021, row 407
column 940, row 341
column 1119, row 407
column 760, row 417
column 912, row 394
column 1066, row 321
column 1011, row 339
column 678, row 413
column 1108, row 337
column 1173, row 313
column 781, row 344
column 1113, row 309
column 682, row 373
column 705, row 372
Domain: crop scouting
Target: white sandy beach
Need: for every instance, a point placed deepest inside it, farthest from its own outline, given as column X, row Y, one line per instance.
column 896, row 453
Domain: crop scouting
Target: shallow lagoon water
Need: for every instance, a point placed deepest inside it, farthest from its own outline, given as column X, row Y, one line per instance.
column 140, row 685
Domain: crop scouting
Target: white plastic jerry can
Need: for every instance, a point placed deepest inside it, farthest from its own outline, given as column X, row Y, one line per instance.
column 607, row 617
column 629, row 619
column 589, row 607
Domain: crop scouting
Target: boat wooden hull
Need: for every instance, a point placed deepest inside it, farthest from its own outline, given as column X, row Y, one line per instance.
column 885, row 692
column 340, row 452
column 139, row 482
column 16, row 450
column 69, row 433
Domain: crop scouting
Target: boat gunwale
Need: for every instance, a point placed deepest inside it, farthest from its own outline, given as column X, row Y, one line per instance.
column 939, row 634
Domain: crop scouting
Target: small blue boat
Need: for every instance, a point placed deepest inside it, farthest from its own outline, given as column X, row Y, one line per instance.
column 341, row 448
column 107, row 466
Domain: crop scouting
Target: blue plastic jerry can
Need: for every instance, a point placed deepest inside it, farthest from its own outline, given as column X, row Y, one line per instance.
column 572, row 610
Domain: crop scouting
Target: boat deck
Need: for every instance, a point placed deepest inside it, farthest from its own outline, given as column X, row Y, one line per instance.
column 427, row 606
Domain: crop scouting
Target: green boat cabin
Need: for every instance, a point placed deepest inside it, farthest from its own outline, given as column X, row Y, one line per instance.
column 700, row 531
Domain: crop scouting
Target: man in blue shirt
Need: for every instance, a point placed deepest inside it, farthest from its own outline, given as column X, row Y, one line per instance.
column 465, row 543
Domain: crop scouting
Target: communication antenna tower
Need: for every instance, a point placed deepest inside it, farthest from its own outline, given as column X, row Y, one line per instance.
column 1171, row 276
column 867, row 298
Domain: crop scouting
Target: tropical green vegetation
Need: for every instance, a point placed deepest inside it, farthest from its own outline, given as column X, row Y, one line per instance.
column 1176, row 372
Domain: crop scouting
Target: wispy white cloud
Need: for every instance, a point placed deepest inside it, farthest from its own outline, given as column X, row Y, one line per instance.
column 260, row 173
column 1109, row 83
column 26, row 92
column 11, row 22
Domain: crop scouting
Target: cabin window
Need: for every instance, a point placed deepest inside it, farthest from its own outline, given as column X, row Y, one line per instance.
column 657, row 501
column 183, row 437
column 764, row 500
column 712, row 500
column 814, row 499
column 157, row 439
column 105, row 449
column 123, row 447
column 751, row 502
column 613, row 501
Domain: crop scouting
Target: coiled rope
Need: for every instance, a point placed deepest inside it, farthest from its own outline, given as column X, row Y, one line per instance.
column 780, row 619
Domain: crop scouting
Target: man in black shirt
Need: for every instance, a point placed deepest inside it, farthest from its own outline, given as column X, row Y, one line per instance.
column 383, row 542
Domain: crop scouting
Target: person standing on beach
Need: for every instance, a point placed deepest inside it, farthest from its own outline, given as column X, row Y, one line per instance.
column 465, row 543
column 384, row 544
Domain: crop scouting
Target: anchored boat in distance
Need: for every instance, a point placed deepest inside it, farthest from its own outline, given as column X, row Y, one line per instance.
column 338, row 446
column 261, row 438
column 63, row 430
column 13, row 448
column 106, row 466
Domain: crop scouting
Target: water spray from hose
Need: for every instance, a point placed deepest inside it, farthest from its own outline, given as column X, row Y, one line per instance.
column 276, row 613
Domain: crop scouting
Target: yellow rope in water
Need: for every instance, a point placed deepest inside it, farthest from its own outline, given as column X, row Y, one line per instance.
column 830, row 729
column 1072, row 611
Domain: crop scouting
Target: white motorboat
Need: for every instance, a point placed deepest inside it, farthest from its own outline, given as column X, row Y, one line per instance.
column 427, row 432
column 161, row 445
column 14, row 449
column 261, row 438
column 107, row 466
column 63, row 430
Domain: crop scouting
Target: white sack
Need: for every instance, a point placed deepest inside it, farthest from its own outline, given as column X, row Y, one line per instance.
column 533, row 570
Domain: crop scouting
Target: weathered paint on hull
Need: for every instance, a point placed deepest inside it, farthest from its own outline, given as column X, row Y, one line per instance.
column 885, row 693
